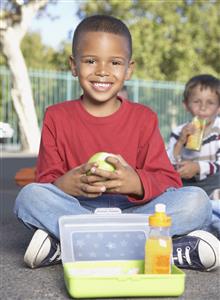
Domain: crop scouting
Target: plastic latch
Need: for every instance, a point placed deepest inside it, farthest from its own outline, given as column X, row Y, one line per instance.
column 107, row 210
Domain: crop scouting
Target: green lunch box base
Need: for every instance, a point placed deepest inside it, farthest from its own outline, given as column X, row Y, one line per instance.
column 95, row 279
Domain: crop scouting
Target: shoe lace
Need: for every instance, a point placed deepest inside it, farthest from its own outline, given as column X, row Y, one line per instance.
column 57, row 253
column 180, row 255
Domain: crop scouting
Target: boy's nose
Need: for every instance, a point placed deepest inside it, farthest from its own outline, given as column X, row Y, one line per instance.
column 101, row 70
column 203, row 106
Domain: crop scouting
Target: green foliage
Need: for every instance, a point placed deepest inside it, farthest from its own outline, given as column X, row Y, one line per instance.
column 60, row 57
column 39, row 56
column 2, row 60
column 172, row 40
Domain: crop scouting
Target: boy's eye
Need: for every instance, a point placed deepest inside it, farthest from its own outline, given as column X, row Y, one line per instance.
column 195, row 102
column 90, row 61
column 210, row 103
column 116, row 62
column 198, row 102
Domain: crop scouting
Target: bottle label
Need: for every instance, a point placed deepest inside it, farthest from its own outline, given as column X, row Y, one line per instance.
column 158, row 254
column 162, row 264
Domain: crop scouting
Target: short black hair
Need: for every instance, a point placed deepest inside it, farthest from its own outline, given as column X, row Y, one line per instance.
column 101, row 23
column 203, row 80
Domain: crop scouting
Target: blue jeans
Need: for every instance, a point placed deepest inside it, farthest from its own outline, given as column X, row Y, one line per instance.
column 215, row 224
column 40, row 206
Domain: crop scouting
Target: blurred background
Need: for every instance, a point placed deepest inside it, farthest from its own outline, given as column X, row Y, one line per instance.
column 172, row 41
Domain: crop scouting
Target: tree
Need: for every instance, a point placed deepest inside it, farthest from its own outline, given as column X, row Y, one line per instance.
column 39, row 56
column 16, row 17
column 172, row 40
column 36, row 54
column 60, row 58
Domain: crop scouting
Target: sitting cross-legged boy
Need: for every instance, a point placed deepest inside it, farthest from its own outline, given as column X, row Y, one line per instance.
column 102, row 121
column 200, row 167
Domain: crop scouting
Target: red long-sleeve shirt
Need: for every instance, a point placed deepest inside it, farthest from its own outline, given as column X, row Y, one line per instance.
column 70, row 136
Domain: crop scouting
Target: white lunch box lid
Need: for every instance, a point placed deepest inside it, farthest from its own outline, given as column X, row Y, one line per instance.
column 106, row 234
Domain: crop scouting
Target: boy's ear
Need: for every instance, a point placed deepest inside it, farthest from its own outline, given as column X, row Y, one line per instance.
column 72, row 63
column 130, row 69
column 185, row 104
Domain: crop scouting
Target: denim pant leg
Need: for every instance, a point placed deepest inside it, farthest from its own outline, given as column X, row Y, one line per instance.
column 40, row 206
column 215, row 224
column 189, row 208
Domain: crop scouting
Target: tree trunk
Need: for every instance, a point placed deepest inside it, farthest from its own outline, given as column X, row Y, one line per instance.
column 21, row 92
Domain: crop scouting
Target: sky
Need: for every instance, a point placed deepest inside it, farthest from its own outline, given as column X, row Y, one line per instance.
column 55, row 31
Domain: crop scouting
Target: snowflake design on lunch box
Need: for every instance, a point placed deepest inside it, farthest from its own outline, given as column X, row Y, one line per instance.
column 111, row 245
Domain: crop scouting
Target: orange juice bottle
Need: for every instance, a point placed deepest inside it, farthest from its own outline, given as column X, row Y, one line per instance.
column 158, row 248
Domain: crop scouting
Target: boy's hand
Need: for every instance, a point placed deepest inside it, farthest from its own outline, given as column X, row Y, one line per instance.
column 124, row 180
column 185, row 132
column 75, row 182
column 188, row 169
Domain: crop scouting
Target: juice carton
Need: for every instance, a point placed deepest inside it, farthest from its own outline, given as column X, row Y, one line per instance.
column 194, row 140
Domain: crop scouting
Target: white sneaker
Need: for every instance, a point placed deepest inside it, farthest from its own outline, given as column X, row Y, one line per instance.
column 42, row 250
column 199, row 250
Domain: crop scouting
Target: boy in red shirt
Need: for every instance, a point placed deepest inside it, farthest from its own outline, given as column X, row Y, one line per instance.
column 102, row 121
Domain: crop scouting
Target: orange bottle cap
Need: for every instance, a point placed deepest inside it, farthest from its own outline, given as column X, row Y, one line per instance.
column 160, row 218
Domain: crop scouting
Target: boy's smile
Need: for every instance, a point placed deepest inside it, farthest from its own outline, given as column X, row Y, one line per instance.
column 102, row 64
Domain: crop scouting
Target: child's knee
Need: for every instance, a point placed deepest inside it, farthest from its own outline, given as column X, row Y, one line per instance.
column 199, row 203
column 26, row 196
column 201, row 198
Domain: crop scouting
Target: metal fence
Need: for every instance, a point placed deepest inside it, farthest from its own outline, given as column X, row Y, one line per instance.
column 51, row 87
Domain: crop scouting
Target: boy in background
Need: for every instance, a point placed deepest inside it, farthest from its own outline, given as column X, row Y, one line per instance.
column 102, row 121
column 200, row 168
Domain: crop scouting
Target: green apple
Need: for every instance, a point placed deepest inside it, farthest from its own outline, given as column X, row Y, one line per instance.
column 99, row 158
